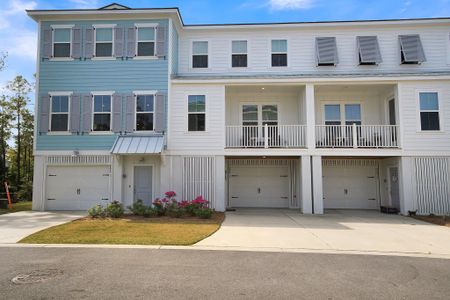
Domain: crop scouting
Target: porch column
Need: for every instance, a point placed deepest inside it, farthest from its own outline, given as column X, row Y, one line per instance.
column 117, row 178
column 406, row 184
column 220, row 183
column 310, row 116
column 305, row 183
column 316, row 168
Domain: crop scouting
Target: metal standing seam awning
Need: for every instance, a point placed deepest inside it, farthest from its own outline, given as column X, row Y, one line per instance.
column 138, row 145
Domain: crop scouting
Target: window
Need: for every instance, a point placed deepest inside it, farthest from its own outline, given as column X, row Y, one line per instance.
column 326, row 51
column 61, row 42
column 145, row 108
column 269, row 114
column 332, row 114
column 352, row 114
column 368, row 50
column 411, row 50
column 279, row 53
column 200, row 55
column 429, row 111
column 250, row 115
column 146, row 41
column 103, row 42
column 196, row 113
column 101, row 120
column 59, row 120
column 239, row 54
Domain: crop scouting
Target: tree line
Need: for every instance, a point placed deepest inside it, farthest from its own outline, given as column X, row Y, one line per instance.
column 16, row 136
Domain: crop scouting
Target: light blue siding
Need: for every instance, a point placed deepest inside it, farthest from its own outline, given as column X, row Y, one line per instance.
column 84, row 76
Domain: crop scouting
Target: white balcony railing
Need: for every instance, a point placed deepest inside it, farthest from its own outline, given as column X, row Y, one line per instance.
column 265, row 136
column 357, row 136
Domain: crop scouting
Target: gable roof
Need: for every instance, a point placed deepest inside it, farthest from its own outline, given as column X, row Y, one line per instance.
column 114, row 5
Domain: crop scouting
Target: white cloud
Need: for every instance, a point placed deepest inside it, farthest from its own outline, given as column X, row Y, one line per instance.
column 14, row 8
column 290, row 4
column 84, row 3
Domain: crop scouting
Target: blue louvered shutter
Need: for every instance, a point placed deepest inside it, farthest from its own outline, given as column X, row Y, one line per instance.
column 131, row 42
column 87, row 113
column 368, row 49
column 76, row 42
column 326, row 51
column 160, row 112
column 117, row 113
column 119, row 39
column 44, row 113
column 47, row 43
column 89, row 42
column 161, row 41
column 129, row 126
column 75, row 113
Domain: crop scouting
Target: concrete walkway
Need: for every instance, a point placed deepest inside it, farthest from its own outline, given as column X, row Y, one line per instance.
column 336, row 231
column 16, row 226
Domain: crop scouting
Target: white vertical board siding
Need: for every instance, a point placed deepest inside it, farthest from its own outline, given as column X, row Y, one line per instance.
column 214, row 136
column 432, row 180
column 412, row 137
column 301, row 48
column 199, row 178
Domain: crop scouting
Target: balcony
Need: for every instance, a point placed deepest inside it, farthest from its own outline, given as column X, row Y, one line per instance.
column 266, row 136
column 357, row 136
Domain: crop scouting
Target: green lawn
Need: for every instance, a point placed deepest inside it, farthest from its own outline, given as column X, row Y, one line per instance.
column 127, row 231
column 19, row 206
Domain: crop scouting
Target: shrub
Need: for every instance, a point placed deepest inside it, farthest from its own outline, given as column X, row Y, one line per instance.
column 174, row 210
column 138, row 208
column 97, row 211
column 204, row 213
column 160, row 205
column 149, row 212
column 114, row 209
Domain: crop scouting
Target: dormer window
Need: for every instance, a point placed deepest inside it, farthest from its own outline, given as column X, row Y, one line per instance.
column 104, row 41
column 411, row 50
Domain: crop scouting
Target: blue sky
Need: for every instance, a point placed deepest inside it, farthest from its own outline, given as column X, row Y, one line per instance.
column 18, row 32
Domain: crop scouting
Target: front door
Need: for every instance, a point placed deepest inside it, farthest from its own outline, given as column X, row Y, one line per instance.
column 394, row 191
column 143, row 189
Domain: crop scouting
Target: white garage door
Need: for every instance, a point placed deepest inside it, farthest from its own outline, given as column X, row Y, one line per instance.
column 259, row 186
column 77, row 188
column 352, row 187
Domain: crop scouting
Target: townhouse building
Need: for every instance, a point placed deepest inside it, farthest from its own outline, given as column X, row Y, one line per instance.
column 309, row 116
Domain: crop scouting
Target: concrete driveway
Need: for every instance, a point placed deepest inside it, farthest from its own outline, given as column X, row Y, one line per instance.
column 336, row 231
column 16, row 226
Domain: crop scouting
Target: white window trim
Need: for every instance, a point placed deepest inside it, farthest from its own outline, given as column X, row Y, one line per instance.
column 191, row 55
column 259, row 104
column 104, row 26
column 93, row 94
column 440, row 111
column 57, row 94
column 342, row 104
column 240, row 53
column 143, row 25
column 68, row 58
column 143, row 93
column 287, row 53
column 188, row 113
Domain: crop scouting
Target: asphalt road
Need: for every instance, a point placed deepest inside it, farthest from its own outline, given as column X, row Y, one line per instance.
column 87, row 273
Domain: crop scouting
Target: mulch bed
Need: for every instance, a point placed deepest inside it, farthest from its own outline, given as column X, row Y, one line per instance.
column 437, row 220
column 216, row 218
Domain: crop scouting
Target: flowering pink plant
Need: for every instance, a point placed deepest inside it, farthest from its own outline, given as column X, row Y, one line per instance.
column 170, row 194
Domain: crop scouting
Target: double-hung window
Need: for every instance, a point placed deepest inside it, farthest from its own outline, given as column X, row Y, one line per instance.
column 200, row 54
column 145, row 41
column 279, row 53
column 145, row 108
column 429, row 111
column 101, row 117
column 104, row 37
column 196, row 113
column 239, row 54
column 333, row 114
column 352, row 114
column 59, row 120
column 61, row 42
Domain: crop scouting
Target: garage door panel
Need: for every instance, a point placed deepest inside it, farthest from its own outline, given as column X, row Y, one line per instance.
column 350, row 187
column 77, row 188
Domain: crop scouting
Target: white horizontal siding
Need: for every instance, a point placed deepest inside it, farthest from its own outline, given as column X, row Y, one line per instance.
column 301, row 48
column 412, row 138
column 214, row 136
